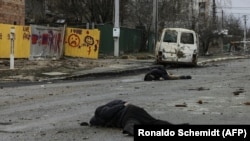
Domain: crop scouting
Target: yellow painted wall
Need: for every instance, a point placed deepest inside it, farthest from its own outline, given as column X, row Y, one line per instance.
column 77, row 43
column 82, row 43
column 21, row 44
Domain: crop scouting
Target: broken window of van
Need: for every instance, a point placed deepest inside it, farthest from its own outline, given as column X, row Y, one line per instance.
column 170, row 36
column 187, row 38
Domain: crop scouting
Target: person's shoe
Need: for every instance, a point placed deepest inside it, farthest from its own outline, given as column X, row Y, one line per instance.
column 182, row 77
column 188, row 77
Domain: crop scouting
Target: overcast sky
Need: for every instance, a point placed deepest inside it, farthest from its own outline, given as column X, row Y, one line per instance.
column 239, row 8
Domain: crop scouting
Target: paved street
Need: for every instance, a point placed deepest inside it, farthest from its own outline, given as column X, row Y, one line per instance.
column 217, row 94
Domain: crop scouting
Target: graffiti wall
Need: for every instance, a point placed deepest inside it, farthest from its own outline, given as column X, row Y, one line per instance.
column 21, row 41
column 82, row 43
column 46, row 42
column 35, row 42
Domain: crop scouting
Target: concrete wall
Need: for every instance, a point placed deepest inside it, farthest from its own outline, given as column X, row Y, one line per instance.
column 12, row 11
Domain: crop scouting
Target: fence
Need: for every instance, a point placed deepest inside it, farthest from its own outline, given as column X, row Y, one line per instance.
column 46, row 42
column 82, row 43
column 130, row 39
column 22, row 41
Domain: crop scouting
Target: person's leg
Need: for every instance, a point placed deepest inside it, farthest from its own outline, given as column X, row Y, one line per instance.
column 129, row 127
column 174, row 77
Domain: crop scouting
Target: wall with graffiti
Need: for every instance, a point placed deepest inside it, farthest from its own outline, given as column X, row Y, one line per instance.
column 35, row 42
column 82, row 43
column 21, row 42
column 46, row 42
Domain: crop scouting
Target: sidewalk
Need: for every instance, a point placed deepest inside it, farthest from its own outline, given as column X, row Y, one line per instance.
column 79, row 68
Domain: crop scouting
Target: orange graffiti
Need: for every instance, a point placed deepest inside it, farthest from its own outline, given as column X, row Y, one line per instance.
column 74, row 40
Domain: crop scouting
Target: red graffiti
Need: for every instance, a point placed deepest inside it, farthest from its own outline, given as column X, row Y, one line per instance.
column 50, row 39
column 34, row 39
column 45, row 38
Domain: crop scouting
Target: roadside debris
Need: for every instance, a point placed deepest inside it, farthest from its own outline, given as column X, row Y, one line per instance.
column 238, row 92
column 200, row 102
column 247, row 103
column 199, row 89
column 181, row 105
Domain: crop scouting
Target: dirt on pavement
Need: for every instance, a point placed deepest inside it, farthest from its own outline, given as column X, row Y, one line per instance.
column 27, row 70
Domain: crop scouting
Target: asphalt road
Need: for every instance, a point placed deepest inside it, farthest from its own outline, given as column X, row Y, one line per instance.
column 219, row 93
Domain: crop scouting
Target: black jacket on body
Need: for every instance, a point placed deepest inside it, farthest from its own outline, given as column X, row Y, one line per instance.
column 156, row 74
column 116, row 114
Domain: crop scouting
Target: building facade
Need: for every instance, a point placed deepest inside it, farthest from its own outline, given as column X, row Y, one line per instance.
column 12, row 12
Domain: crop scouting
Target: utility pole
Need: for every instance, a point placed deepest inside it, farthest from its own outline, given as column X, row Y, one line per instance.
column 116, row 29
column 245, row 32
column 222, row 20
column 214, row 12
column 155, row 20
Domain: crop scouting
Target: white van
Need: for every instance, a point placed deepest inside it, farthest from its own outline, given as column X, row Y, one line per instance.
column 177, row 45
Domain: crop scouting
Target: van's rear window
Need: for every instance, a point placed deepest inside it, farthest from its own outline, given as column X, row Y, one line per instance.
column 187, row 38
column 170, row 36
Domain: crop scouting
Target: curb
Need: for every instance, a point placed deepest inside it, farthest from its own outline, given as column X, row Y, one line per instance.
column 124, row 72
column 221, row 59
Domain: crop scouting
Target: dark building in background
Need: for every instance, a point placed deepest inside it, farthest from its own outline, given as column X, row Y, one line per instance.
column 12, row 12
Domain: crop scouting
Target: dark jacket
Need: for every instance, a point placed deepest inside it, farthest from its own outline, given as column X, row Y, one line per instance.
column 156, row 74
column 109, row 115
column 159, row 73
column 115, row 114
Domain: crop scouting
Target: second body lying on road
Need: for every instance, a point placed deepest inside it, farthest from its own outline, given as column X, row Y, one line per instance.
column 160, row 73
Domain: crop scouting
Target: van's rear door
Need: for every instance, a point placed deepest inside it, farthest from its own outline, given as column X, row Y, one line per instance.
column 168, row 45
column 186, row 46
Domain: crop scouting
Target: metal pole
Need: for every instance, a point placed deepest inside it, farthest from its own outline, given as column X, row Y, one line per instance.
column 12, row 39
column 245, row 32
column 116, row 28
column 155, row 20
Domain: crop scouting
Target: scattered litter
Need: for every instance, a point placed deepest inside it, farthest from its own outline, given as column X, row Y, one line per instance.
column 5, row 123
column 60, row 132
column 84, row 124
column 181, row 105
column 247, row 103
column 54, row 73
column 200, row 89
column 200, row 102
column 238, row 92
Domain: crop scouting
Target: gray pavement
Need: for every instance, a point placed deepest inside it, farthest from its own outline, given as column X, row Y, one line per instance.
column 127, row 66
column 77, row 68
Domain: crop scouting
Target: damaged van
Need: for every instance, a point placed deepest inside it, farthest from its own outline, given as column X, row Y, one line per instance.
column 177, row 46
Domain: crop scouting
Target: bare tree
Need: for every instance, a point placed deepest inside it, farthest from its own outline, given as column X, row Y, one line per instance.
column 234, row 25
column 98, row 11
